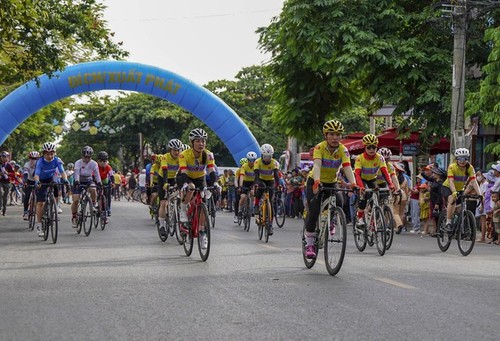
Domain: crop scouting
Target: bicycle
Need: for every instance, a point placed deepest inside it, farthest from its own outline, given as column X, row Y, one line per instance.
column 373, row 230
column 173, row 215
column 32, row 209
column 463, row 227
column 197, row 213
column 50, row 221
column 331, row 232
column 101, row 213
column 245, row 213
column 212, row 211
column 85, row 216
column 385, row 200
column 16, row 195
column 264, row 219
column 279, row 208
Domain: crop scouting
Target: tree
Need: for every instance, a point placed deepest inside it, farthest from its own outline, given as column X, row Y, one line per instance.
column 329, row 56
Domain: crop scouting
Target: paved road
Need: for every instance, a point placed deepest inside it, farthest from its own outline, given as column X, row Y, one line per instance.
column 124, row 283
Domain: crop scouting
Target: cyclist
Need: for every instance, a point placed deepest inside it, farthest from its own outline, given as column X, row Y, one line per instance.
column 169, row 167
column 107, row 178
column 265, row 175
column 193, row 164
column 86, row 174
column 246, row 178
column 366, row 168
column 149, row 184
column 237, row 175
column 5, row 170
column 329, row 156
column 45, row 171
column 29, row 179
column 460, row 173
column 386, row 153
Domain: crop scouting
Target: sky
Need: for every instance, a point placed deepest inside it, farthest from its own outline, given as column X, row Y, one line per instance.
column 201, row 40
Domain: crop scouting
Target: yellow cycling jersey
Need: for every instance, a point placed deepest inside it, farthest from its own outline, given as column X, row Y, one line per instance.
column 459, row 175
column 170, row 164
column 117, row 179
column 193, row 166
column 154, row 173
column 369, row 168
column 266, row 172
column 380, row 176
column 247, row 172
column 330, row 161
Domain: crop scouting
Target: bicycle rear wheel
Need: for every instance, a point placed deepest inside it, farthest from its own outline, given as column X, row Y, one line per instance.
column 204, row 232
column 380, row 232
column 212, row 211
column 389, row 227
column 188, row 242
column 467, row 234
column 279, row 215
column 178, row 235
column 54, row 224
column 359, row 237
column 443, row 237
column 335, row 241
column 308, row 262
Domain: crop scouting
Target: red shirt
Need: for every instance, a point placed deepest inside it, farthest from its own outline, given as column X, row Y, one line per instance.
column 105, row 172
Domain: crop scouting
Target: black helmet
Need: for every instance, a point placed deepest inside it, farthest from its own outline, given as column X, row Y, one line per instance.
column 102, row 155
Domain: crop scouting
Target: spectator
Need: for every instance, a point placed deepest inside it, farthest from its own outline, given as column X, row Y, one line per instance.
column 480, row 211
column 142, row 181
column 424, row 205
column 231, row 190
column 400, row 202
column 415, row 205
column 289, row 195
column 297, row 183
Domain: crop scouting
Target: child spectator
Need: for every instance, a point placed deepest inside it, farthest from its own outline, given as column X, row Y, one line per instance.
column 415, row 205
column 425, row 204
column 495, row 205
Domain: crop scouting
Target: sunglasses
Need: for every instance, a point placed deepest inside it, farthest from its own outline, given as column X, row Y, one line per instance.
column 371, row 147
column 463, row 158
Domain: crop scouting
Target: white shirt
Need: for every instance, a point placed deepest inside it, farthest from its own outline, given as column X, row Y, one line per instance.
column 142, row 180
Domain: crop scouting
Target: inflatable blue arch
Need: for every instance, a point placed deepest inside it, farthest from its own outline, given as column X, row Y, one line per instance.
column 120, row 75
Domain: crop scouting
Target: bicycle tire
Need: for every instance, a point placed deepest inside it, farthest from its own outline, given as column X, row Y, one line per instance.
column 246, row 214
column 268, row 218
column 32, row 211
column 45, row 221
column 308, row 262
column 279, row 215
column 188, row 243
column 380, row 232
column 260, row 223
column 178, row 235
column 467, row 233
column 163, row 237
column 203, row 214
column 103, row 207
column 88, row 215
column 390, row 224
column 443, row 237
column 212, row 211
column 54, row 224
column 171, row 220
column 335, row 240
column 359, row 237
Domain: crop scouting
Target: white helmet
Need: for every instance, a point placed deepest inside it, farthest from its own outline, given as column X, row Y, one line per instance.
column 267, row 150
column 185, row 147
column 462, row 152
column 175, row 144
column 49, row 147
column 251, row 156
column 385, row 152
column 197, row 133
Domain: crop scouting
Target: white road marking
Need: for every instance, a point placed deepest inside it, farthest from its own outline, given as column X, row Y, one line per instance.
column 397, row 284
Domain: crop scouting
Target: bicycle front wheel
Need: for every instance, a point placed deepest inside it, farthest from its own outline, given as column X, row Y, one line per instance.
column 46, row 220
column 335, row 241
column 259, row 219
column 212, row 211
column 54, row 224
column 467, row 234
column 176, row 225
column 246, row 215
column 389, row 227
column 443, row 237
column 279, row 215
column 380, row 233
column 204, row 232
column 268, row 220
column 103, row 206
column 32, row 211
column 88, row 216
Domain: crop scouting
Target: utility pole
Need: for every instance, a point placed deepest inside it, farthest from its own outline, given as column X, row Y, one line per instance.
column 458, row 77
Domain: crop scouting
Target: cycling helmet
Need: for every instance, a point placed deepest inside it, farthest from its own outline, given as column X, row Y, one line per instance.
column 12, row 163
column 370, row 139
column 186, row 147
column 462, row 152
column 49, row 147
column 4, row 154
column 102, row 155
column 197, row 133
column 87, row 151
column 333, row 126
column 243, row 160
column 251, row 156
column 175, row 144
column 266, row 150
column 34, row 154
column 71, row 165
column 385, row 152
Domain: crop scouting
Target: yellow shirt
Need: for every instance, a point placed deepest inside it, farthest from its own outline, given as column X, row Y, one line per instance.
column 170, row 164
column 380, row 176
column 246, row 171
column 330, row 161
column 117, row 179
column 266, row 172
column 154, row 172
column 193, row 166
column 369, row 168
column 459, row 175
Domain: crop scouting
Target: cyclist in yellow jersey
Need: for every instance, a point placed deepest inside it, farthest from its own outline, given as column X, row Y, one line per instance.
column 169, row 165
column 329, row 156
column 265, row 175
column 460, row 173
column 237, row 175
column 247, row 177
column 153, row 176
column 193, row 165
column 366, row 168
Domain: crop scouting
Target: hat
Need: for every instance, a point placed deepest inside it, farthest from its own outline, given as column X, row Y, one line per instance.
column 399, row 166
column 423, row 186
column 490, row 177
column 496, row 167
